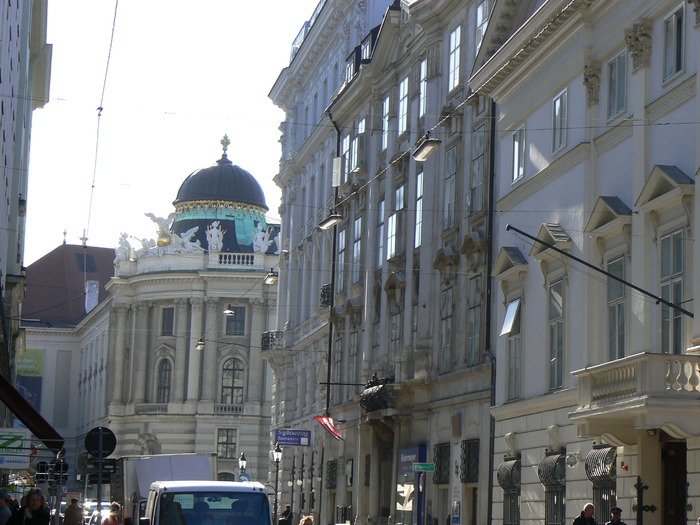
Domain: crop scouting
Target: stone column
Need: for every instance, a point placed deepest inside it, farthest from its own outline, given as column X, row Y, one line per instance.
column 180, row 350
column 119, row 310
column 195, row 367
column 255, row 364
column 140, row 353
column 210, row 350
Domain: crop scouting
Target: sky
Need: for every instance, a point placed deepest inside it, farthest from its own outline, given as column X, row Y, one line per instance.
column 181, row 75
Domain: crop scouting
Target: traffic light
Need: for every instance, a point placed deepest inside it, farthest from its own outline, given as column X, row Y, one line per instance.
column 42, row 471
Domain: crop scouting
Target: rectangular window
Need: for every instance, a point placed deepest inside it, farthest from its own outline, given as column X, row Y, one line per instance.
column 352, row 361
column 337, row 390
column 356, row 249
column 391, row 235
column 474, row 322
column 345, row 148
column 419, row 211
column 518, row 154
column 167, row 324
column 423, row 88
column 448, row 218
column 514, row 353
column 357, row 153
column 399, row 201
column 556, row 334
column 446, row 329
column 482, row 19
column 235, row 323
column 366, row 50
column 616, row 309
column 340, row 263
column 454, row 58
column 403, row 105
column 380, row 233
column 476, row 186
column 349, row 69
column 672, row 291
column 385, row 123
column 226, row 443
column 673, row 43
column 617, row 87
column 559, row 121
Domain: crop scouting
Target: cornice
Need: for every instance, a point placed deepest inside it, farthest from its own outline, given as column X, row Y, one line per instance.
column 545, row 176
column 678, row 96
column 567, row 398
column 613, row 137
column 523, row 43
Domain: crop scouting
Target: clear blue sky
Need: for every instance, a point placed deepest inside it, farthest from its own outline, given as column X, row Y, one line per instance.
column 181, row 75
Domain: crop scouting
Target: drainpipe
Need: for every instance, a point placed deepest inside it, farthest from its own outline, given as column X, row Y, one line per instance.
column 489, row 294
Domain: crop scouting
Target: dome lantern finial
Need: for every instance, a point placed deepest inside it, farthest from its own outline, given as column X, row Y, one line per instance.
column 225, row 143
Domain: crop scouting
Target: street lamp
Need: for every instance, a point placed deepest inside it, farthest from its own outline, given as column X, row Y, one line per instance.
column 271, row 277
column 242, row 462
column 276, row 457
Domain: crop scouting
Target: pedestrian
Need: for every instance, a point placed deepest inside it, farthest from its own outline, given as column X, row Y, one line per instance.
column 73, row 514
column 32, row 511
column 5, row 510
column 306, row 520
column 586, row 517
column 616, row 513
column 113, row 518
column 287, row 514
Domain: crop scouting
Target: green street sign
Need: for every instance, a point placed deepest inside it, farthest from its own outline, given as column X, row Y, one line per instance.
column 423, row 467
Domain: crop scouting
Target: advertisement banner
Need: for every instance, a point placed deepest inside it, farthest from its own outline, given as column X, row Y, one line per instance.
column 14, row 448
column 30, row 371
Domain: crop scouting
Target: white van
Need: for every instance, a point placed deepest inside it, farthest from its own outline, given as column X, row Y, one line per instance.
column 207, row 503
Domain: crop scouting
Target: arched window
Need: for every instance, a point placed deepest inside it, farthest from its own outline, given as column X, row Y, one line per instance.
column 232, row 383
column 164, row 375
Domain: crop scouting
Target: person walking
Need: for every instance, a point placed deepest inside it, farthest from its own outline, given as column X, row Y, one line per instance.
column 73, row 514
column 33, row 510
column 5, row 510
column 616, row 513
column 586, row 517
column 113, row 518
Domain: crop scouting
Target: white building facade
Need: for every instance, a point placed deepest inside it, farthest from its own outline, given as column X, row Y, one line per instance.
column 170, row 359
column 383, row 317
column 597, row 154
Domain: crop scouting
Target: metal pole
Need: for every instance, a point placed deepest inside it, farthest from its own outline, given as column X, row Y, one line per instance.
column 291, row 499
column 99, row 473
column 277, row 480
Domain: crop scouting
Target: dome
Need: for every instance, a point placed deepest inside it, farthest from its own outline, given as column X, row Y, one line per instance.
column 221, row 182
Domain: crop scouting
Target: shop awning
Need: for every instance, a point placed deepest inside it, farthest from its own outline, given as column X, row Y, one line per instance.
column 28, row 415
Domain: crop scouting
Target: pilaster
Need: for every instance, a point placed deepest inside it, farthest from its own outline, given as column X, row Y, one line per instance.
column 195, row 356
column 140, row 352
column 210, row 349
column 181, row 307
column 119, row 310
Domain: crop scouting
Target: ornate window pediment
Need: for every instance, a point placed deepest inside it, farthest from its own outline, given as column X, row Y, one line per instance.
column 509, row 262
column 608, row 217
column 666, row 186
column 551, row 233
column 446, row 257
column 475, row 249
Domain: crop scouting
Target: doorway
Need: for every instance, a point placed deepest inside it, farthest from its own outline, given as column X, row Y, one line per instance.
column 675, row 482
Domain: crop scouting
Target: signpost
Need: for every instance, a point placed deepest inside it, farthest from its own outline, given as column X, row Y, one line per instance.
column 100, row 442
column 423, row 467
column 244, row 476
column 293, row 438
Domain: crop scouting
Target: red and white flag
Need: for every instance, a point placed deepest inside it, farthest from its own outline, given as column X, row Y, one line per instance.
column 327, row 423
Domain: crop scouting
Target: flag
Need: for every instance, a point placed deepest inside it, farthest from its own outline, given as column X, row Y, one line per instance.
column 327, row 423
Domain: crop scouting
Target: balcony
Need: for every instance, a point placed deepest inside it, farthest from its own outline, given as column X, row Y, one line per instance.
column 642, row 391
column 272, row 340
column 226, row 408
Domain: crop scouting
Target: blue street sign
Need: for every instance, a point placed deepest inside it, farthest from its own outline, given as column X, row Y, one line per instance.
column 294, row 438
column 244, row 476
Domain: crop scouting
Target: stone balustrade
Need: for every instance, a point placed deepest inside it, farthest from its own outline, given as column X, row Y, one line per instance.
column 644, row 374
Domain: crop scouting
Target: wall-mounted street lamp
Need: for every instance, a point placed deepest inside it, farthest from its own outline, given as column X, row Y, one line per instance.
column 229, row 311
column 271, row 277
column 276, row 457
column 242, row 462
column 425, row 148
column 331, row 220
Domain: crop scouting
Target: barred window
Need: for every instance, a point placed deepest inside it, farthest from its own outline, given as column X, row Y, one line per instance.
column 441, row 458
